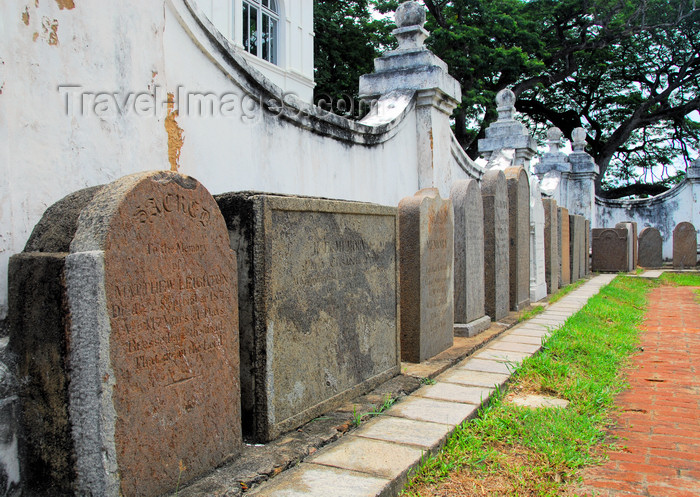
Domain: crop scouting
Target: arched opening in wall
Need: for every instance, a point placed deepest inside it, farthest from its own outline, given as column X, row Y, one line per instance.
column 261, row 29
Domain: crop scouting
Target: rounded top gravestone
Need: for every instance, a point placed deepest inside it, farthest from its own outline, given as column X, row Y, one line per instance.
column 154, row 326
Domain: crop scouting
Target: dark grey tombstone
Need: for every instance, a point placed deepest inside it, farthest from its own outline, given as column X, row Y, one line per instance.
column 551, row 244
column 519, row 232
column 610, row 251
column 318, row 300
column 470, row 318
column 685, row 246
column 125, row 323
column 650, row 248
column 494, row 193
column 564, row 247
column 574, row 248
column 632, row 241
column 583, row 253
column 587, row 248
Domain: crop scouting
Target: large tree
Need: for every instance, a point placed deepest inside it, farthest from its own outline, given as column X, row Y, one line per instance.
column 626, row 70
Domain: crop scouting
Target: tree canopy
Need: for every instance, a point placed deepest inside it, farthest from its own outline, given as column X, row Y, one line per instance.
column 628, row 71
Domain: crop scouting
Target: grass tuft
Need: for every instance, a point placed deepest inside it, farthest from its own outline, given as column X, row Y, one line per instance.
column 512, row 450
column 680, row 279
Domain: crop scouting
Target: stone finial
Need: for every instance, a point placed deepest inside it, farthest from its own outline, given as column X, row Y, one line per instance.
column 505, row 100
column 693, row 171
column 554, row 139
column 410, row 14
column 579, row 138
column 410, row 18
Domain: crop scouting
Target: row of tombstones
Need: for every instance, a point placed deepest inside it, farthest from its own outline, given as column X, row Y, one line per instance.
column 153, row 324
column 621, row 249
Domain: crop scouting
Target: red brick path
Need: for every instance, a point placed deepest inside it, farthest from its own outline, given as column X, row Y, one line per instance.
column 659, row 423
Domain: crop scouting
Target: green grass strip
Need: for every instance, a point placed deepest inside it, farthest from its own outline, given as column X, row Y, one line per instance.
column 680, row 279
column 539, row 450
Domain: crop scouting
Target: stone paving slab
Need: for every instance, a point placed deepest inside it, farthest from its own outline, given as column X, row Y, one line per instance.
column 378, row 456
column 455, row 393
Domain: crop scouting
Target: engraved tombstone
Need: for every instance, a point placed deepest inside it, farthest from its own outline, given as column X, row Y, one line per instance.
column 610, row 249
column 650, row 248
column 494, row 193
column 149, row 366
column 318, row 300
column 519, row 233
column 551, row 244
column 581, row 235
column 564, row 244
column 538, row 279
column 470, row 318
column 685, row 246
column 426, row 254
column 587, row 248
column 631, row 243
column 574, row 248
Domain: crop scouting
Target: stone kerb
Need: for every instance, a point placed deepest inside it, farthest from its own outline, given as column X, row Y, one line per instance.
column 426, row 255
column 610, row 249
column 685, row 246
column 494, row 193
column 149, row 371
column 551, row 244
column 470, row 318
column 318, row 300
column 519, row 233
column 650, row 248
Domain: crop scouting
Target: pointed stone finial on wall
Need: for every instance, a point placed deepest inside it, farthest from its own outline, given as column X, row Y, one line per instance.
column 410, row 18
column 505, row 102
column 578, row 135
column 554, row 139
column 693, row 171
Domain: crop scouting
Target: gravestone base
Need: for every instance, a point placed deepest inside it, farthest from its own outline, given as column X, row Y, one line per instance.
column 473, row 328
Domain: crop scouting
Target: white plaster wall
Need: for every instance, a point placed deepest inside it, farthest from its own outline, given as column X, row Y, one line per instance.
column 662, row 212
column 155, row 48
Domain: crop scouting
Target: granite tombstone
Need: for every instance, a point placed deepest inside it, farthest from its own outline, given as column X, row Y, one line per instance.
column 551, row 244
column 631, row 243
column 610, row 249
column 519, row 233
column 650, row 248
column 426, row 254
column 564, row 247
column 574, row 248
column 685, row 246
column 470, row 318
column 146, row 381
column 318, row 303
column 494, row 193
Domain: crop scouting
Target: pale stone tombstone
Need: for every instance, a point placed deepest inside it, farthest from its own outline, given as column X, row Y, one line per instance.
column 564, row 244
column 551, row 244
column 632, row 240
column 318, row 300
column 538, row 281
column 610, row 249
column 631, row 243
column 426, row 255
column 151, row 370
column 650, row 248
column 470, row 318
column 685, row 246
column 574, row 248
column 494, row 192
column 519, row 232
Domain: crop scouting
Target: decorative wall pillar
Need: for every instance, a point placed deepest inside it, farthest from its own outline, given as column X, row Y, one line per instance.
column 554, row 169
column 584, row 171
column 412, row 67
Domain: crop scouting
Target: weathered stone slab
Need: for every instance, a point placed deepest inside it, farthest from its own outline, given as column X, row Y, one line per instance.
column 587, row 248
column 685, row 246
column 564, row 247
column 582, row 251
column 426, row 252
column 538, row 280
column 551, row 244
column 610, row 249
column 632, row 243
column 494, row 193
column 469, row 258
column 574, row 248
column 318, row 301
column 519, row 232
column 650, row 248
column 149, row 370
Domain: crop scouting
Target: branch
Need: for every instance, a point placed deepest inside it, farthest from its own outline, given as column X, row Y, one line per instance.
column 651, row 189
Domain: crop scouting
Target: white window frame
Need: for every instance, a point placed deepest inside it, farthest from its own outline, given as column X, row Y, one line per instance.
column 266, row 12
